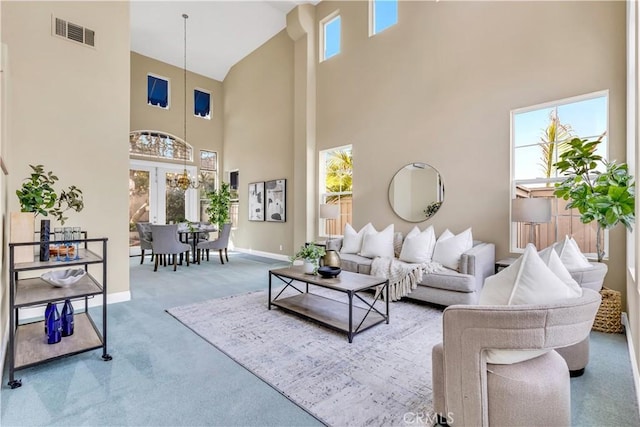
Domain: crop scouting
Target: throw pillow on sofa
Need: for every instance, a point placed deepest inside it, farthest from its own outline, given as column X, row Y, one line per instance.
column 527, row 281
column 449, row 248
column 571, row 255
column 553, row 261
column 378, row 243
column 352, row 241
column 418, row 246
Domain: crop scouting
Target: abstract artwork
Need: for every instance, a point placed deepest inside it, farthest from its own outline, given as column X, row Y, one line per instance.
column 256, row 201
column 275, row 200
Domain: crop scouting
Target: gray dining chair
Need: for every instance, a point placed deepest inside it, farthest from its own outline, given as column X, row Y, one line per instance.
column 221, row 243
column 165, row 242
column 144, row 234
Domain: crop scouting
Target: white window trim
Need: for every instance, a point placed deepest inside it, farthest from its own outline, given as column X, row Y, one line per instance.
column 210, row 102
column 322, row 26
column 514, row 182
column 158, row 76
column 372, row 19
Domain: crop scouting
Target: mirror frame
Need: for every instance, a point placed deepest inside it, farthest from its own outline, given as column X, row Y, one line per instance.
column 433, row 207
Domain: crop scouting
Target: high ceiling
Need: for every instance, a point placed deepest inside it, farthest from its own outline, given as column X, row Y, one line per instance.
column 219, row 33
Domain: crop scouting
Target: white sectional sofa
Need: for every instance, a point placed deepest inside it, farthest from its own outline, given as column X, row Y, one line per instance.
column 444, row 287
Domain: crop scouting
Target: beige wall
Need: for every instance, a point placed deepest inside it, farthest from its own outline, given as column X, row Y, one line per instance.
column 258, row 136
column 439, row 86
column 202, row 134
column 69, row 110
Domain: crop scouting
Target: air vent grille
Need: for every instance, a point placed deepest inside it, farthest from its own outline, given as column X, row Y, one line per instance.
column 74, row 32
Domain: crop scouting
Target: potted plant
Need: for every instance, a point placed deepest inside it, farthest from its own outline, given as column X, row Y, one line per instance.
column 311, row 255
column 605, row 197
column 219, row 203
column 38, row 196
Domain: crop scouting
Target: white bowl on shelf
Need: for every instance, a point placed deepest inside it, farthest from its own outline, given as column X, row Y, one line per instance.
column 63, row 278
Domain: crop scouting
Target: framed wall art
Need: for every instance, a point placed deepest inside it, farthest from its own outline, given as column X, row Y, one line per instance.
column 256, row 201
column 275, row 200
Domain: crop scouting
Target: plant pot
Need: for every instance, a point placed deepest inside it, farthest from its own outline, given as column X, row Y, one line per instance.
column 22, row 226
column 310, row 266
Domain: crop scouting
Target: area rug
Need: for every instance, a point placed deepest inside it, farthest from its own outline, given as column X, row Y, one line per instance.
column 383, row 378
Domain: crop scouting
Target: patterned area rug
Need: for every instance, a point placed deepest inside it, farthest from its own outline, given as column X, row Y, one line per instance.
column 383, row 378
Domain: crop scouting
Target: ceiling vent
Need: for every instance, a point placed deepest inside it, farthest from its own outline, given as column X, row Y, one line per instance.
column 74, row 32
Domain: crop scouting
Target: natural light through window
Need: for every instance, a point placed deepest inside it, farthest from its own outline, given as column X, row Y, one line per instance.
column 383, row 14
column 330, row 36
column 539, row 135
column 336, row 187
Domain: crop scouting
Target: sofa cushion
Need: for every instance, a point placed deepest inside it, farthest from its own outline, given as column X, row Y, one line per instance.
column 378, row 243
column 570, row 254
column 449, row 280
column 449, row 248
column 352, row 240
column 355, row 263
column 418, row 246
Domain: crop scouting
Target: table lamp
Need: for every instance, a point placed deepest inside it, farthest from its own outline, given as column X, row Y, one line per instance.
column 531, row 211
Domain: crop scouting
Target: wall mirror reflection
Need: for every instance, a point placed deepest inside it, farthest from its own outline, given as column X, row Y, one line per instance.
column 416, row 192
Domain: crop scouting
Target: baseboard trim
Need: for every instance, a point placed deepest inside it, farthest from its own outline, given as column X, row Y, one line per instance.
column 632, row 356
column 279, row 257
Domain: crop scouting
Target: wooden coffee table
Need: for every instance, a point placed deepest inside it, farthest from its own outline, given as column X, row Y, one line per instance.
column 344, row 317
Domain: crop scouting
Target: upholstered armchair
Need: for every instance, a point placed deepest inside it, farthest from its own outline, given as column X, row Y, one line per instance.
column 165, row 242
column 221, row 243
column 467, row 391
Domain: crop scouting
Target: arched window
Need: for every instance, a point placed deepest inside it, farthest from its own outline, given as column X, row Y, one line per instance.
column 159, row 145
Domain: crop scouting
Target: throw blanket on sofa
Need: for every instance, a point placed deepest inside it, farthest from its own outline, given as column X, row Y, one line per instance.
column 403, row 277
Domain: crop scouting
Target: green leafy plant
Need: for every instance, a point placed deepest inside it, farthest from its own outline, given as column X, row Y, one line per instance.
column 219, row 203
column 309, row 252
column 605, row 197
column 39, row 196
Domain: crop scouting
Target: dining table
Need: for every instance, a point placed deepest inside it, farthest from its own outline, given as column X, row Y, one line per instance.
column 191, row 234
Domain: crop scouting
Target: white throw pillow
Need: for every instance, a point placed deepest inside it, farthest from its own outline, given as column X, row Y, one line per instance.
column 352, row 240
column 378, row 244
column 570, row 254
column 449, row 248
column 552, row 260
column 418, row 246
column 527, row 281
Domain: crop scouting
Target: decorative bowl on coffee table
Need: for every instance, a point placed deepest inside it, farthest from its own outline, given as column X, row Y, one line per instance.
column 328, row 271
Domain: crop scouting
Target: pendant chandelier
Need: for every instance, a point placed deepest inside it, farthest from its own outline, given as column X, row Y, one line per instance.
column 184, row 181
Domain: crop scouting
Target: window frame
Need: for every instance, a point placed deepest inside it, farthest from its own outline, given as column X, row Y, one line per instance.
column 372, row 17
column 514, row 183
column 323, row 194
column 324, row 22
column 206, row 92
column 168, row 80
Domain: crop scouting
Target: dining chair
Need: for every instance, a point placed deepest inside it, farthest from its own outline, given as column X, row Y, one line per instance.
column 144, row 234
column 165, row 242
column 221, row 243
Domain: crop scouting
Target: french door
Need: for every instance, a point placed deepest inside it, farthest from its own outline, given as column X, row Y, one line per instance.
column 152, row 200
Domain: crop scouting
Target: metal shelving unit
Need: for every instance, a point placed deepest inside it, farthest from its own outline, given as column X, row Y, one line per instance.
column 27, row 341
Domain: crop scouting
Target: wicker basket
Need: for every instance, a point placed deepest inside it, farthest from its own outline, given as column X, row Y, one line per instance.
column 608, row 318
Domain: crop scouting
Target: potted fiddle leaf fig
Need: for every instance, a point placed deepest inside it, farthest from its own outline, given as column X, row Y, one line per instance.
column 219, row 203
column 607, row 197
column 311, row 255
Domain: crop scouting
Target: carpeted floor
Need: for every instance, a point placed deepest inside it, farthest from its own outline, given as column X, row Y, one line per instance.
column 383, row 378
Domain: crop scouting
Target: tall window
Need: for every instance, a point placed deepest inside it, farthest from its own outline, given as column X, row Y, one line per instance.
column 201, row 104
column 157, row 91
column 383, row 14
column 336, row 187
column 539, row 135
column 330, row 30
column 209, row 175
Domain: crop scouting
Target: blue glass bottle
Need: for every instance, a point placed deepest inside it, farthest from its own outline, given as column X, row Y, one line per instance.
column 46, row 316
column 54, row 326
column 67, row 318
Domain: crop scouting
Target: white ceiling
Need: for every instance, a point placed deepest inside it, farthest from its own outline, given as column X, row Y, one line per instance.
column 219, row 32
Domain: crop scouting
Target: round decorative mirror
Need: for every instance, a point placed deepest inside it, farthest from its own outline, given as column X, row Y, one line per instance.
column 416, row 192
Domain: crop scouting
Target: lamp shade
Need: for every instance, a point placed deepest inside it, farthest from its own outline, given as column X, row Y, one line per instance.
column 328, row 211
column 537, row 210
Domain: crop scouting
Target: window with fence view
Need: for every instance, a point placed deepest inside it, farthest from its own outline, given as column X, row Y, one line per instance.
column 336, row 187
column 539, row 135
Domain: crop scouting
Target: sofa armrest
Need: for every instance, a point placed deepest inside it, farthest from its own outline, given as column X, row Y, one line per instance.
column 480, row 262
column 334, row 244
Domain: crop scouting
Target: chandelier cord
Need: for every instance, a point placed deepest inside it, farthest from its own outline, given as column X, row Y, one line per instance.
column 185, row 16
